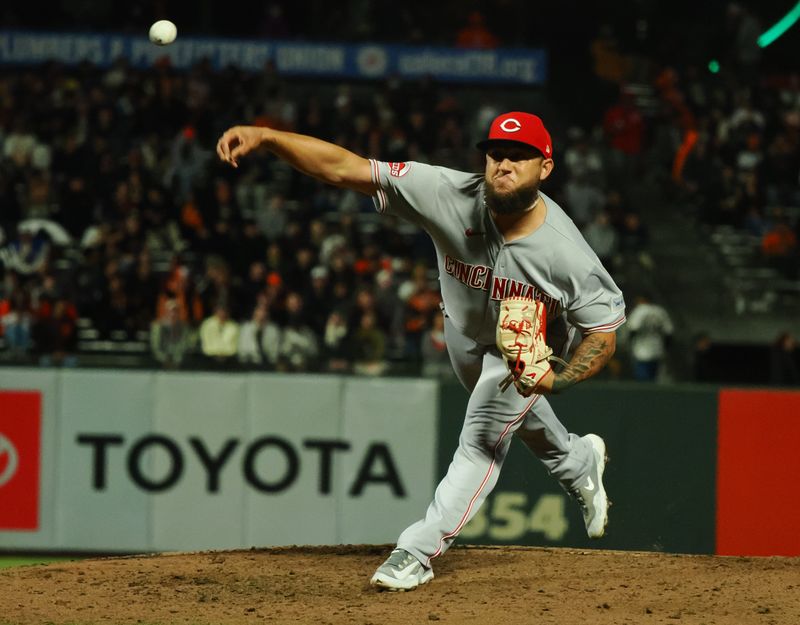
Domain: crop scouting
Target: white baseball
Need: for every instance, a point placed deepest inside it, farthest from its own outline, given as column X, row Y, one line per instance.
column 163, row 32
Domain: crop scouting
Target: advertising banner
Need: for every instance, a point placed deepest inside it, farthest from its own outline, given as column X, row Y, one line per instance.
column 387, row 467
column 290, row 58
column 188, row 460
column 97, row 506
column 293, row 460
column 152, row 461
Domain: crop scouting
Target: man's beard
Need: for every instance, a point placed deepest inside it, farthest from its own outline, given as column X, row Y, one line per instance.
column 516, row 201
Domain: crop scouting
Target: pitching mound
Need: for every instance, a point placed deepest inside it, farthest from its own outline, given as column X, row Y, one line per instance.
column 473, row 585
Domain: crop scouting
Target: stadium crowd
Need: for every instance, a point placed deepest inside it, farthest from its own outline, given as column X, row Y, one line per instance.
column 741, row 161
column 119, row 224
column 115, row 212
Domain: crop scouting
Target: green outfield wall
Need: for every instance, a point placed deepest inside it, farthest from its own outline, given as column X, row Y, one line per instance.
column 676, row 483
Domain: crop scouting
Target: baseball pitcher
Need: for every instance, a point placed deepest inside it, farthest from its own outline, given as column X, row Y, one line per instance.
column 521, row 290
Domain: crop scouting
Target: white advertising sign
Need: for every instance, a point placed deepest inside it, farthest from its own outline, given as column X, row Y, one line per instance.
column 152, row 461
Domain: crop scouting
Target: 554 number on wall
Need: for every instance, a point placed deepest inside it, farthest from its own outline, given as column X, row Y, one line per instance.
column 510, row 516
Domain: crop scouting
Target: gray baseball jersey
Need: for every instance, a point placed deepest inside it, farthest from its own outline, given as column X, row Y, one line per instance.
column 477, row 269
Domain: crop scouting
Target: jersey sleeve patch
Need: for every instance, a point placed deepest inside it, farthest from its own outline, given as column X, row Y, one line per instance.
column 398, row 169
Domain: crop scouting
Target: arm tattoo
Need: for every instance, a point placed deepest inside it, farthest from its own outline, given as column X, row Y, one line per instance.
column 589, row 358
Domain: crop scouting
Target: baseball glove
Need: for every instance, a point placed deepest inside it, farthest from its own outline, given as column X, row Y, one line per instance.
column 521, row 341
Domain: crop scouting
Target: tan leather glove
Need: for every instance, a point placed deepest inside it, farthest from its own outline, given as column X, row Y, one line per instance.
column 521, row 333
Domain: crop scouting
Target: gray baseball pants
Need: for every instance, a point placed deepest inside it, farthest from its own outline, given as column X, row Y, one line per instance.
column 492, row 417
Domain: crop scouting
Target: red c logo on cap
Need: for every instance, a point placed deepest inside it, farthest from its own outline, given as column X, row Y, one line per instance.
column 510, row 125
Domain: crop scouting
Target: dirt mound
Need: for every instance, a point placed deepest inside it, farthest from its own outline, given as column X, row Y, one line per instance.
column 501, row 586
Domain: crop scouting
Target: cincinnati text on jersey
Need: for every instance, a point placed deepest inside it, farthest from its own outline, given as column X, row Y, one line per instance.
column 481, row 277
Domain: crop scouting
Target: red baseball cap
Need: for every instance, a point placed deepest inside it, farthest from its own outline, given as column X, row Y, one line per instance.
column 520, row 128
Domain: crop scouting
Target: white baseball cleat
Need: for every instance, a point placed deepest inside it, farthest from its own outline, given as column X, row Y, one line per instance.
column 401, row 571
column 591, row 494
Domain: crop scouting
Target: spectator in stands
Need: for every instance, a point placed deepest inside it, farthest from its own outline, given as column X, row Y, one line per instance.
column 369, row 261
column 20, row 143
column 39, row 201
column 435, row 359
column 274, row 288
column 216, row 287
column 779, row 245
column 729, row 198
column 27, row 254
column 142, row 288
column 583, row 198
column 299, row 272
column 700, row 180
column 751, row 154
column 420, row 302
column 602, row 238
column 754, row 222
column 783, row 162
column 273, row 218
column 390, row 310
column 118, row 318
column 190, row 308
column 340, row 267
column 317, row 298
column 703, row 368
column 219, row 337
column 610, row 63
column 617, row 207
column 475, row 33
column 171, row 338
column 187, row 164
column 259, row 340
column 90, row 284
column 784, row 368
column 254, row 285
column 744, row 121
column 273, row 259
column 15, row 324
column 55, row 334
column 650, row 329
column 250, row 248
column 633, row 241
column 625, row 130
column 369, row 346
column 335, row 345
column 299, row 348
column 341, row 298
column 363, row 304
column 77, row 206
column 582, row 159
column 131, row 238
column 330, row 245
column 317, row 233
column 44, row 293
column 742, row 33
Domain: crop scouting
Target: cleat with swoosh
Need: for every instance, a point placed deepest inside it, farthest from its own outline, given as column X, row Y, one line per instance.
column 591, row 494
column 401, row 571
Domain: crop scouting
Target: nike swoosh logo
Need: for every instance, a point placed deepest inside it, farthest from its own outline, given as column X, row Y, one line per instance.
column 472, row 233
column 403, row 573
column 589, row 483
